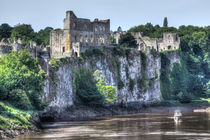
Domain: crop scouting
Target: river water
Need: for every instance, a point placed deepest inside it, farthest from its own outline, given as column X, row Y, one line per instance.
column 194, row 126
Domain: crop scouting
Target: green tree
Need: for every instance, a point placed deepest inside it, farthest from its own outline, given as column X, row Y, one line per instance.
column 165, row 22
column 5, row 31
column 18, row 70
column 146, row 30
column 23, row 31
column 128, row 40
column 43, row 36
column 179, row 79
column 198, row 42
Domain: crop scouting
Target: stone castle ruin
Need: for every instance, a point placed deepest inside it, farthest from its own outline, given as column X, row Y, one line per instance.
column 78, row 35
column 6, row 46
column 170, row 41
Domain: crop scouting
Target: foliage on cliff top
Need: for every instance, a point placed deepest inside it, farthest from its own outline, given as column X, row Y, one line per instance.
column 5, row 31
column 26, row 33
column 127, row 40
column 21, row 80
column 152, row 31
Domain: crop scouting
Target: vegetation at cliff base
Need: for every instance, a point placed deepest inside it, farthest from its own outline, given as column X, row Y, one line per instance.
column 21, row 84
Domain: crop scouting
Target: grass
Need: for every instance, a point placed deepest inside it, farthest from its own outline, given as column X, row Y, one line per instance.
column 207, row 99
column 13, row 118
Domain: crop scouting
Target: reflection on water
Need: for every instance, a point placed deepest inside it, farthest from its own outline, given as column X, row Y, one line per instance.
column 129, row 127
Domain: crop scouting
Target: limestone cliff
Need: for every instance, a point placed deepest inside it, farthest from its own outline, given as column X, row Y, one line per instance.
column 135, row 75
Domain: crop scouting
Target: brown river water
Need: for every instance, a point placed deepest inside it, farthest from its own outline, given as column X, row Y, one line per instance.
column 148, row 126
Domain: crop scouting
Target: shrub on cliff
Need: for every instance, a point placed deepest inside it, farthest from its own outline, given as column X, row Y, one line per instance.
column 108, row 91
column 128, row 40
column 18, row 70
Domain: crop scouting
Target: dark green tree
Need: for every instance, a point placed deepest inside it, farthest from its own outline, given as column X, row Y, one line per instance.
column 5, row 31
column 128, row 40
column 23, row 31
column 43, row 36
column 165, row 22
column 147, row 29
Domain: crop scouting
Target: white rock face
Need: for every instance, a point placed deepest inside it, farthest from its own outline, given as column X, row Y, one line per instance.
column 61, row 94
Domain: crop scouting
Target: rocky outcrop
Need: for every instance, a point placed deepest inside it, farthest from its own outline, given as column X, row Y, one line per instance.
column 139, row 83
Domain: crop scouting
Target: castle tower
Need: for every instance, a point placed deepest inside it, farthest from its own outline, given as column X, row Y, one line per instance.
column 67, row 31
column 88, row 34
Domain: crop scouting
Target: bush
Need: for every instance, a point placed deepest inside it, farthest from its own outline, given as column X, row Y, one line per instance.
column 183, row 98
column 143, row 60
column 118, row 51
column 19, row 70
column 128, row 40
column 108, row 91
column 19, row 99
column 54, row 63
column 141, row 83
column 94, row 52
column 154, row 52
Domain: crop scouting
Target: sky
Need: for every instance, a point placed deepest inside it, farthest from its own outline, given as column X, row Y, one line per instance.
column 124, row 13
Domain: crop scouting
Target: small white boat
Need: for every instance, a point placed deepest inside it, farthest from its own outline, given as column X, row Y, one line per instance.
column 177, row 115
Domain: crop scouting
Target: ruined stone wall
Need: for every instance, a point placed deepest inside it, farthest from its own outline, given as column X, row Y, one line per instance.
column 36, row 51
column 57, row 45
column 79, row 30
column 145, row 42
column 89, row 33
column 151, row 43
column 170, row 41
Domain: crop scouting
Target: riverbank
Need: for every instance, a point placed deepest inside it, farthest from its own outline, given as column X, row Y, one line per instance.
column 79, row 112
column 15, row 122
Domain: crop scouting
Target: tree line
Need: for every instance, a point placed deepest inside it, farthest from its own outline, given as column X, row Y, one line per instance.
column 26, row 33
